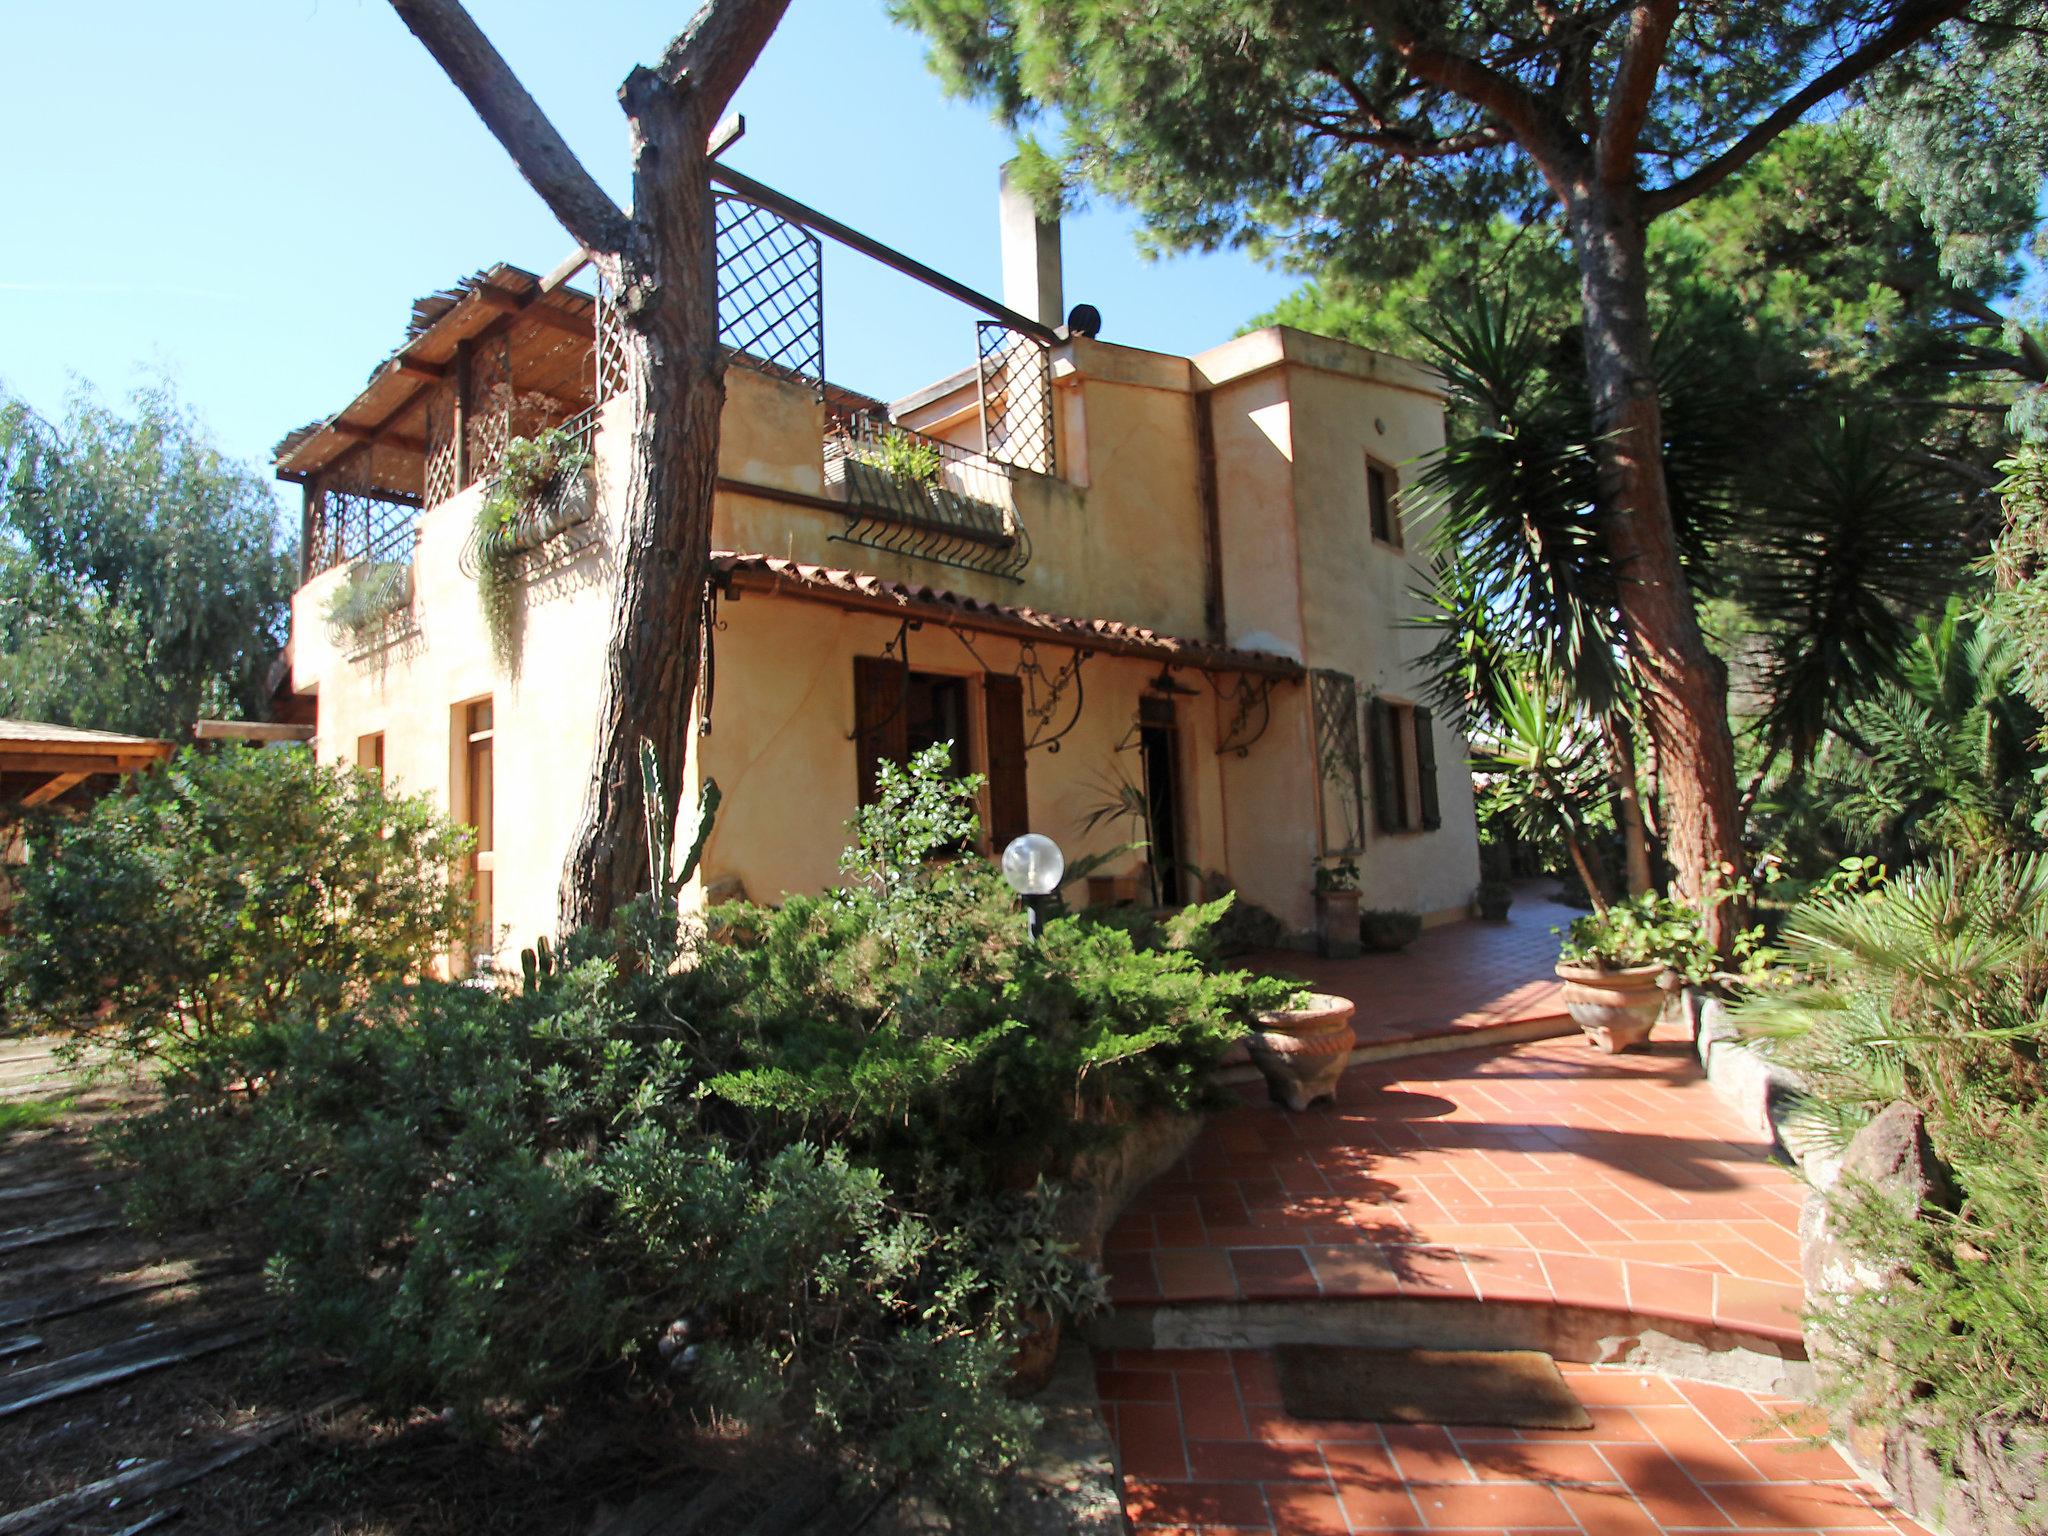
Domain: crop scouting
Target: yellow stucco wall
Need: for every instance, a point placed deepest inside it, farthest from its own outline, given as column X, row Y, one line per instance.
column 1117, row 534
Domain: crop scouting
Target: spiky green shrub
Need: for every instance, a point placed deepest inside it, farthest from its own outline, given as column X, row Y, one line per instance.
column 794, row 1174
column 1933, row 989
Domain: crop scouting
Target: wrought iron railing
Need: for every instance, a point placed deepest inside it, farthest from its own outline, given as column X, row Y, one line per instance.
column 1015, row 389
column 351, row 517
column 567, row 499
column 919, row 496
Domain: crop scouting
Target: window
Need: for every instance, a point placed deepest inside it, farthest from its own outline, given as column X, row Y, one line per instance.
column 370, row 755
column 1382, row 500
column 476, row 804
column 1404, row 786
column 898, row 713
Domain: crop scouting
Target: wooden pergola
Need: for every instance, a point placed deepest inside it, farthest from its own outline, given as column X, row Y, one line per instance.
column 41, row 763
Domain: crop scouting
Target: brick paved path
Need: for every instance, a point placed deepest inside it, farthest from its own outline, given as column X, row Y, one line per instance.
column 1206, row 1447
column 1455, row 977
column 1546, row 1172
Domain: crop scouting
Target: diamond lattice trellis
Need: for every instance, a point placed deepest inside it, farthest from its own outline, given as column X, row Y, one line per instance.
column 771, row 291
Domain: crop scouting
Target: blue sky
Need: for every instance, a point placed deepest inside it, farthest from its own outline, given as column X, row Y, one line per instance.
column 247, row 194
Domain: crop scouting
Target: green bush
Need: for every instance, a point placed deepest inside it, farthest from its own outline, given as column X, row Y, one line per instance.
column 1649, row 929
column 226, row 893
column 794, row 1173
column 1932, row 989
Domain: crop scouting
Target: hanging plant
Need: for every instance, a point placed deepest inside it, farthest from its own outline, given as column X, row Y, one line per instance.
column 371, row 594
column 508, row 524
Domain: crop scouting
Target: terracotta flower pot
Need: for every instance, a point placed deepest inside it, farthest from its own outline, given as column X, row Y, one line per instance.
column 1038, row 1352
column 1302, row 1051
column 1616, row 1009
column 1337, row 924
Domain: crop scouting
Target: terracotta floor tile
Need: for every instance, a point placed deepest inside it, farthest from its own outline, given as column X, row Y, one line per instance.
column 1758, row 1506
column 1209, row 1407
column 1135, row 1386
column 1425, row 1453
column 1149, row 1441
column 1246, row 1461
column 1193, row 1274
column 1268, row 1274
column 1306, row 1509
column 1538, row 1461
column 1372, row 1504
column 1495, row 1506
column 1198, row 1504
column 1609, row 1512
column 1796, row 1461
column 1663, row 1488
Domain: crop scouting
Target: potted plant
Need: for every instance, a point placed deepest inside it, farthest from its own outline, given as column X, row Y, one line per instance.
column 1614, row 963
column 1118, row 799
column 539, row 490
column 1493, row 899
column 370, row 596
column 1337, row 909
column 1302, row 1049
column 1388, row 929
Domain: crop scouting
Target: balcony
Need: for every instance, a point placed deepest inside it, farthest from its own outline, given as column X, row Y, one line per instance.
column 918, row 496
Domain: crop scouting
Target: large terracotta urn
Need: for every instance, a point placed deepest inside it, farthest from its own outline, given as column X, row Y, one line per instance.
column 1302, row 1051
column 1616, row 1009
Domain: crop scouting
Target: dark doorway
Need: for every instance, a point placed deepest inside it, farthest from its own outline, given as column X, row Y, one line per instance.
column 1159, row 750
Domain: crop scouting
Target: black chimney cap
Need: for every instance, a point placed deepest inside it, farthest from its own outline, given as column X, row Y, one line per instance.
column 1084, row 320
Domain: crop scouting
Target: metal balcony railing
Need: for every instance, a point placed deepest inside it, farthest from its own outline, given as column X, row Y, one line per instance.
column 918, row 496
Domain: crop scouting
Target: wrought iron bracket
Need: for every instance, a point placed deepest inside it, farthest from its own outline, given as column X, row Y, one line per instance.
column 1044, row 689
column 1252, row 703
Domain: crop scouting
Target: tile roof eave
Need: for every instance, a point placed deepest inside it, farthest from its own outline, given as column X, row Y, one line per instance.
column 859, row 590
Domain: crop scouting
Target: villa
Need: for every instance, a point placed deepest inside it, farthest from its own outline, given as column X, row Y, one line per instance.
column 1153, row 599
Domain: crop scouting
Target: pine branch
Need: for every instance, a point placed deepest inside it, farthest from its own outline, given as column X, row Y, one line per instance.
column 515, row 119
column 1914, row 21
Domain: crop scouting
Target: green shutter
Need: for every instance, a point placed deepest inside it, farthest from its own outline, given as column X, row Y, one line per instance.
column 1425, row 768
column 1386, row 769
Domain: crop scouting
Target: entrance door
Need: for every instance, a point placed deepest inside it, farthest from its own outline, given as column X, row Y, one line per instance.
column 1159, row 751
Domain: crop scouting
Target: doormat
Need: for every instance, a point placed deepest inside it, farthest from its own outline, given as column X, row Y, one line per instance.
column 1515, row 1388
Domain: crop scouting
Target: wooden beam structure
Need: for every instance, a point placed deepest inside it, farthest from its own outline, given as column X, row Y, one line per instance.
column 50, row 789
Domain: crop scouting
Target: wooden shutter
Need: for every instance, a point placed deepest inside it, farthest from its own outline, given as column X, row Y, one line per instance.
column 1009, row 806
column 880, row 726
column 1425, row 768
column 1382, row 729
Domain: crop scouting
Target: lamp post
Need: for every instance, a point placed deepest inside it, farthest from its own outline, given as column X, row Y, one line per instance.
column 1032, row 865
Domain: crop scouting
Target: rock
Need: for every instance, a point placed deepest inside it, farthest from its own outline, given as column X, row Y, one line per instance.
column 1892, row 1156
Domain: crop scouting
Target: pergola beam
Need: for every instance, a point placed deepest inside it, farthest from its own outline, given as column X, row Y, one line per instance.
column 51, row 788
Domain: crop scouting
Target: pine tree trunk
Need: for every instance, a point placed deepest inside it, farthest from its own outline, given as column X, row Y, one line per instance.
column 1628, row 802
column 667, row 288
column 1684, row 698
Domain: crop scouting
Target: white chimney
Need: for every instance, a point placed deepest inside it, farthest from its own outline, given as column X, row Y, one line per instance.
column 1031, row 257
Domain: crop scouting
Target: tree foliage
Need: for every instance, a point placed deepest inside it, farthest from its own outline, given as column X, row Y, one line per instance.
column 143, row 576
column 224, row 893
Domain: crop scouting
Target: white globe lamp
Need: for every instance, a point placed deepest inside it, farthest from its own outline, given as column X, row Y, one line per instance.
column 1033, row 865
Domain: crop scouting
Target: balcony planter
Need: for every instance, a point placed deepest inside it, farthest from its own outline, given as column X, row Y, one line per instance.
column 967, row 513
column 1337, row 935
column 1616, row 1008
column 1302, row 1051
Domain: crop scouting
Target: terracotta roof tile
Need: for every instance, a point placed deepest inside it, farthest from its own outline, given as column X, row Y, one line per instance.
column 828, row 583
